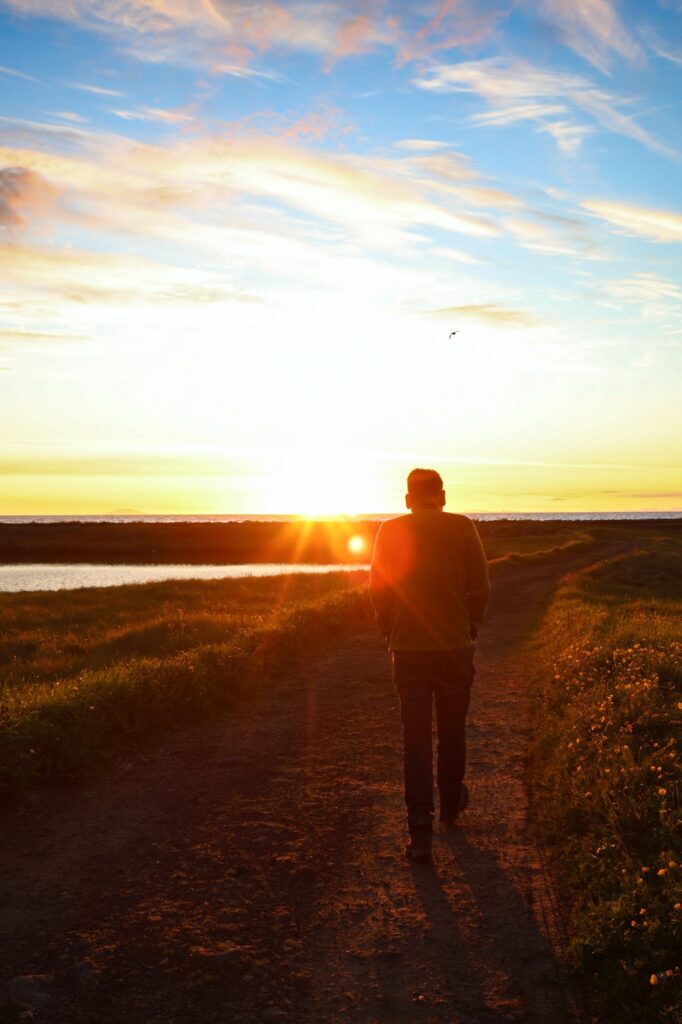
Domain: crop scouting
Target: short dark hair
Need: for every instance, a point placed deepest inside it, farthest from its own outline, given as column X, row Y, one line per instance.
column 424, row 483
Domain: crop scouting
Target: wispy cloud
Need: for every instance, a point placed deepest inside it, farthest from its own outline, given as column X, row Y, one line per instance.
column 645, row 285
column 668, row 53
column 232, row 36
column 513, row 113
column 592, row 28
column 14, row 338
column 508, row 86
column 154, row 114
column 452, row 23
column 568, row 137
column 421, row 145
column 96, row 90
column 87, row 278
column 490, row 313
column 554, row 235
column 654, row 298
column 659, row 225
column 225, row 37
column 68, row 115
column 17, row 74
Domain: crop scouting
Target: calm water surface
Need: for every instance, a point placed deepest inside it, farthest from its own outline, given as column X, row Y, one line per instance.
column 68, row 577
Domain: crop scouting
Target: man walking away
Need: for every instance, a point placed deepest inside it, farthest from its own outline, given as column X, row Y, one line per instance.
column 429, row 587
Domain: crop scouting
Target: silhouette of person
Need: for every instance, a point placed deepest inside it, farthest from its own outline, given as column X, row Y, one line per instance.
column 429, row 587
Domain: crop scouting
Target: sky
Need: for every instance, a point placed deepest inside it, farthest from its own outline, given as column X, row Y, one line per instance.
column 235, row 238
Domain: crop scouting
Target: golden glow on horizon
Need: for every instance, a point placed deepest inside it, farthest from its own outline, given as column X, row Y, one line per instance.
column 313, row 484
column 356, row 544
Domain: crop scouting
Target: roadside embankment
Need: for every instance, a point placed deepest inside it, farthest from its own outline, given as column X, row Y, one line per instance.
column 606, row 770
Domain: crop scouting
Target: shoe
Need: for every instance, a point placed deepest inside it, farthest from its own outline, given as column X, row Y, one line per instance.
column 418, row 849
column 448, row 815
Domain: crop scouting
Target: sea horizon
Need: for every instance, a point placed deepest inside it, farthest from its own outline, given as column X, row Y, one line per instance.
column 138, row 517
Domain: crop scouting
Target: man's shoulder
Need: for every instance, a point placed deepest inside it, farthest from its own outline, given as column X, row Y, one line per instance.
column 455, row 519
column 458, row 517
column 458, row 522
column 395, row 523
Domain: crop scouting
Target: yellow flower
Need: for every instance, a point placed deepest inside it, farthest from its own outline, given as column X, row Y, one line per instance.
column 661, row 871
column 672, row 864
column 662, row 791
column 653, row 980
column 677, row 906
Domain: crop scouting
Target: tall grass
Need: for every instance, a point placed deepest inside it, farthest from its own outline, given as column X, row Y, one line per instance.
column 606, row 777
column 50, row 636
column 92, row 671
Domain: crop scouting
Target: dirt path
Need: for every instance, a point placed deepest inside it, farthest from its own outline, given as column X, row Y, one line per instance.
column 251, row 869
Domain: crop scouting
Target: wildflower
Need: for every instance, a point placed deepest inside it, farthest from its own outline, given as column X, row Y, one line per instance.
column 653, row 980
column 677, row 906
column 645, row 870
column 662, row 871
column 672, row 864
column 662, row 791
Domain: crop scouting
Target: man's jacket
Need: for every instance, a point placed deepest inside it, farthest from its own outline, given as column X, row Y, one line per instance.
column 429, row 581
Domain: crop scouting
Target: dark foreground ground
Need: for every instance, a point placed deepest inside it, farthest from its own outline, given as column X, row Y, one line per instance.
column 251, row 869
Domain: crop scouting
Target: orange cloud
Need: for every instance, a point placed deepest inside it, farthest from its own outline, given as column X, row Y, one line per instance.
column 21, row 191
column 224, row 37
column 456, row 23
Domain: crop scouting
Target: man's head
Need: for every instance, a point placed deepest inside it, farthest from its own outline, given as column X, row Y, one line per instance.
column 424, row 489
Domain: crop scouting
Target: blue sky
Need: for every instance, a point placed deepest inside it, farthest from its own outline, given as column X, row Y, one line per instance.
column 236, row 237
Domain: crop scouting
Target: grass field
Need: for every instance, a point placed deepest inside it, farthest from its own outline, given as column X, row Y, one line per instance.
column 85, row 672
column 90, row 671
column 607, row 780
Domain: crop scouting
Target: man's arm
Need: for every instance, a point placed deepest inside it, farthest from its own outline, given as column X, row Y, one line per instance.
column 478, row 581
column 380, row 590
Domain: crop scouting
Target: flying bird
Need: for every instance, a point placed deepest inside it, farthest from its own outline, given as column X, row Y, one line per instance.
column 451, row 334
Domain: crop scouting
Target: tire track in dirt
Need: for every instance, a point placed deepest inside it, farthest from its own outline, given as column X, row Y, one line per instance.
column 251, row 869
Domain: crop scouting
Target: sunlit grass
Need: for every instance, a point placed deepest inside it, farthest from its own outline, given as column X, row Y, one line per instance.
column 607, row 774
column 48, row 636
column 91, row 671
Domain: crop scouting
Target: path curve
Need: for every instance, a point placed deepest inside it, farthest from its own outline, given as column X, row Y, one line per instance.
column 251, row 869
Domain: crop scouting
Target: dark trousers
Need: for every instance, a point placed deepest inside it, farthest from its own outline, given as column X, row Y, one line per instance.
column 420, row 677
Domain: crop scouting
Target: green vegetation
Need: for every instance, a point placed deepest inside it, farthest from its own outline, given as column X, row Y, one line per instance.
column 535, row 546
column 606, row 774
column 85, row 672
column 89, row 671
